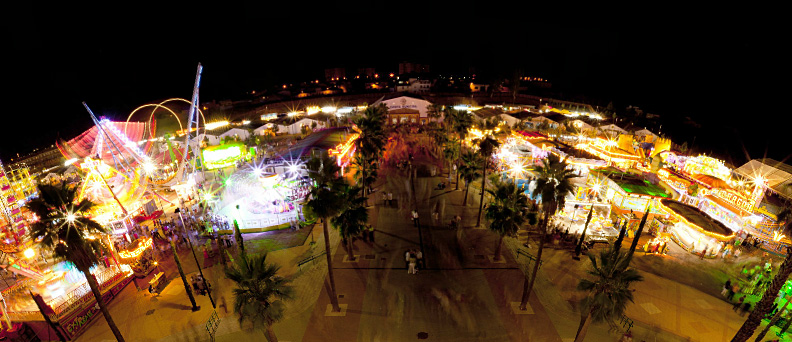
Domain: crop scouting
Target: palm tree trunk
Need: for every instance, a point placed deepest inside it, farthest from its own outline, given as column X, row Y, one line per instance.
column 483, row 187
column 184, row 278
column 271, row 334
column 332, row 294
column 530, row 283
column 94, row 285
column 348, row 246
column 772, row 322
column 637, row 236
column 467, row 188
column 763, row 306
column 497, row 256
column 457, row 178
column 584, row 324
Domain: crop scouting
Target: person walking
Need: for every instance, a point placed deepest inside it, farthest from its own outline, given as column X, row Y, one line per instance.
column 746, row 307
column 411, row 263
column 415, row 218
column 390, row 198
column 738, row 304
column 419, row 259
column 370, row 230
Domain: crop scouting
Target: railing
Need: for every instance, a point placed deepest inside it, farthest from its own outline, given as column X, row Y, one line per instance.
column 626, row 322
column 104, row 278
column 309, row 259
column 520, row 251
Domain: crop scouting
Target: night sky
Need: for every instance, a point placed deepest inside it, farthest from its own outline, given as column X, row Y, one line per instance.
column 727, row 72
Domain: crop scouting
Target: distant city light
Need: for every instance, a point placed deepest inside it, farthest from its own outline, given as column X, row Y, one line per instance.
column 246, row 122
column 328, row 109
column 345, row 110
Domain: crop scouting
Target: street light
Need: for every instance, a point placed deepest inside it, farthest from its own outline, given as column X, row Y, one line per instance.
column 189, row 240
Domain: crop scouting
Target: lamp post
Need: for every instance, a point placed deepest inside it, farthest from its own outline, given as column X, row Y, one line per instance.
column 189, row 240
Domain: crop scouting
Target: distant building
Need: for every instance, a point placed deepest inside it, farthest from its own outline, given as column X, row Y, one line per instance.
column 405, row 108
column 412, row 68
column 335, row 74
column 366, row 72
column 39, row 160
column 414, row 85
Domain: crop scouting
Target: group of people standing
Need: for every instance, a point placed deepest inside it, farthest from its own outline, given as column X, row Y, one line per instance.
column 414, row 260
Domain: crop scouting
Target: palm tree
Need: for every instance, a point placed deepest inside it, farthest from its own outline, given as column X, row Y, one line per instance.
column 370, row 141
column 553, row 185
column 259, row 292
column 487, row 146
column 609, row 292
column 470, row 170
column 352, row 218
column 71, row 236
column 461, row 121
column 763, row 306
column 451, row 154
column 187, row 288
column 508, row 212
column 326, row 201
column 365, row 172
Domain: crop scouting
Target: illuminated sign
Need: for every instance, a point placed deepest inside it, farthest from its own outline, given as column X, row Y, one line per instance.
column 221, row 156
column 341, row 151
column 135, row 253
column 734, row 199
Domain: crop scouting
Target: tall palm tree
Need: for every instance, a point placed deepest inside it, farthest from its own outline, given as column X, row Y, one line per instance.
column 470, row 170
column 609, row 292
column 71, row 236
column 461, row 121
column 325, row 200
column 371, row 140
column 259, row 292
column 365, row 172
column 553, row 185
column 487, row 146
column 763, row 306
column 508, row 212
column 352, row 218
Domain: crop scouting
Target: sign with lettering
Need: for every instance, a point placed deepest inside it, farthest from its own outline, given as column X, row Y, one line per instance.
column 75, row 323
column 733, row 198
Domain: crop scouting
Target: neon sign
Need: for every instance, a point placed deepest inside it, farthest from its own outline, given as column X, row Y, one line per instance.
column 222, row 156
column 135, row 253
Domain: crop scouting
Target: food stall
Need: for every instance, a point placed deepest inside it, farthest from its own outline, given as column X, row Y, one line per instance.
column 139, row 256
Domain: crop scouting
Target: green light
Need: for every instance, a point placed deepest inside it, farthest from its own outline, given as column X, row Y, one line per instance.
column 216, row 157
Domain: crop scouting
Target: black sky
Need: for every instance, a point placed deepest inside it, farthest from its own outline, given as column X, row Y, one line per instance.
column 727, row 68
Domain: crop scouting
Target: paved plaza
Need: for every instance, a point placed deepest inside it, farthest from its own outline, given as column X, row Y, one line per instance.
column 461, row 295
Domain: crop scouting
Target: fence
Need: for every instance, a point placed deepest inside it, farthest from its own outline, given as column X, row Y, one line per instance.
column 520, row 251
column 309, row 259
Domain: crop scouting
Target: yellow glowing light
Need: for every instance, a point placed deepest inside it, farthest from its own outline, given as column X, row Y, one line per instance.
column 29, row 253
column 293, row 113
column 310, row 110
column 135, row 253
column 328, row 109
column 215, row 125
column 777, row 236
